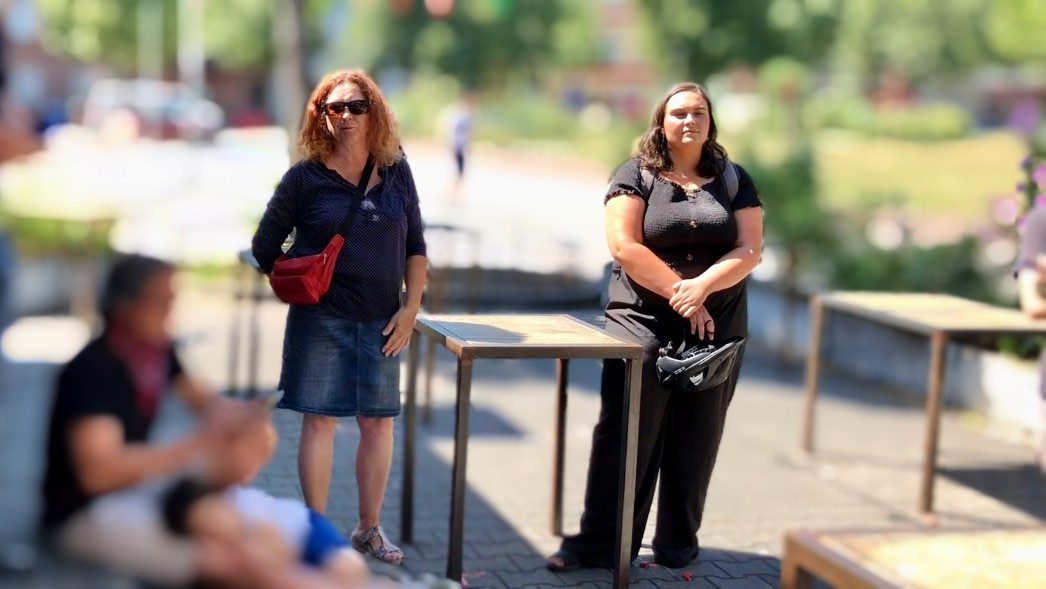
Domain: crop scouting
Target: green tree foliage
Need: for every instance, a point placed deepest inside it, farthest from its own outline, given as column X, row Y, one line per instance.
column 796, row 219
column 916, row 37
column 933, row 37
column 102, row 31
column 697, row 38
column 1015, row 30
column 237, row 33
column 485, row 42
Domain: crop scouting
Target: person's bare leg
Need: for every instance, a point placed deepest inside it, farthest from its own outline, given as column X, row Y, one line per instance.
column 373, row 463
column 347, row 568
column 316, row 458
column 249, row 564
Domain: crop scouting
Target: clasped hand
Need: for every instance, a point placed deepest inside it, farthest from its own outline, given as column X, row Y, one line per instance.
column 689, row 301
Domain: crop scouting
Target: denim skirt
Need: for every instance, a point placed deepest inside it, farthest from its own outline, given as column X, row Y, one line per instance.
column 334, row 366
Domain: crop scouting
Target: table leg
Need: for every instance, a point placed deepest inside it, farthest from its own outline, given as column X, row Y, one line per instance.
column 430, row 357
column 461, row 440
column 562, row 367
column 793, row 573
column 254, row 344
column 935, row 392
column 238, row 291
column 410, row 428
column 813, row 366
column 627, row 478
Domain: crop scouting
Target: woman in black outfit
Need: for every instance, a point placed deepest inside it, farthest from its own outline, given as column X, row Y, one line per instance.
column 683, row 243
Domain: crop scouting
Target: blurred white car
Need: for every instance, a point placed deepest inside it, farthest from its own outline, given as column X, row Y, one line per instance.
column 168, row 110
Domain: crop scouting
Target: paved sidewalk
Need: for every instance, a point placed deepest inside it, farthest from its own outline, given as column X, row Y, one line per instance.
column 866, row 475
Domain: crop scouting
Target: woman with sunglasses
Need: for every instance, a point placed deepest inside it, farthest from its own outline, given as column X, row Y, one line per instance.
column 340, row 356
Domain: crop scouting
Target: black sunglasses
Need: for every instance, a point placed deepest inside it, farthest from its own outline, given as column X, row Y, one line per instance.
column 355, row 107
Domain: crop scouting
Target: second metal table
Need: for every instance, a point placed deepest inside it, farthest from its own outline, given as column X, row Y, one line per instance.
column 560, row 337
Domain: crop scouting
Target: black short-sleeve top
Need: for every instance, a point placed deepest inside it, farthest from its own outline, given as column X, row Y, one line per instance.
column 96, row 382
column 689, row 231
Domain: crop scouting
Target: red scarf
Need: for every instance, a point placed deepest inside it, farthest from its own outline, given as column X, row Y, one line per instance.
column 148, row 364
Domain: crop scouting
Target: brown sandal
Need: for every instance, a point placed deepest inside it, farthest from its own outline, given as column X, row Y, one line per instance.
column 373, row 542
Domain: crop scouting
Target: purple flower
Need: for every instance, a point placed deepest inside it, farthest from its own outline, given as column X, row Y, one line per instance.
column 1025, row 117
column 1005, row 210
column 1040, row 200
column 1039, row 176
column 1022, row 187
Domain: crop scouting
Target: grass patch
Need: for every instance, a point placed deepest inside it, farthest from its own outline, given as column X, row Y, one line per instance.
column 955, row 178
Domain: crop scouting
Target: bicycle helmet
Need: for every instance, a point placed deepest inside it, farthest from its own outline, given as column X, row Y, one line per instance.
column 699, row 367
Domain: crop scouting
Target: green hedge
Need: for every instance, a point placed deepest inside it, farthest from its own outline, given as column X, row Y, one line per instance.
column 928, row 122
column 38, row 236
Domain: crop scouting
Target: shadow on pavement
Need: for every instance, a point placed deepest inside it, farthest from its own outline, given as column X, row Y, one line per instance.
column 1018, row 485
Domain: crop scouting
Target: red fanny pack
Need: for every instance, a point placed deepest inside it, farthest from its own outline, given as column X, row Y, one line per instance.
column 303, row 280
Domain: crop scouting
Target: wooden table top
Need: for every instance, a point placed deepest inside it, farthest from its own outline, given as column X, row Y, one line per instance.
column 926, row 313
column 1011, row 558
column 524, row 336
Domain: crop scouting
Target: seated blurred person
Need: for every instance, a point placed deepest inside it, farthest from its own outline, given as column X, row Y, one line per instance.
column 1031, row 276
column 215, row 504
column 97, row 505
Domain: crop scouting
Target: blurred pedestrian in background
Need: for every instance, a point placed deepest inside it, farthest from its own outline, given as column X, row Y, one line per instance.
column 1031, row 276
column 340, row 356
column 459, row 138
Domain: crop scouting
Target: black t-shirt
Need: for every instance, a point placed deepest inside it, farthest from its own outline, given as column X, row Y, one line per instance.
column 688, row 231
column 94, row 383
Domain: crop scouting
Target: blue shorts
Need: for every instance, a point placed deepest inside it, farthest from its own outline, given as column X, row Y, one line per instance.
column 334, row 366
column 323, row 540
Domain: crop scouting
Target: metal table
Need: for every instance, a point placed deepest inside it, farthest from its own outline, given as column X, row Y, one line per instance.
column 559, row 337
column 937, row 316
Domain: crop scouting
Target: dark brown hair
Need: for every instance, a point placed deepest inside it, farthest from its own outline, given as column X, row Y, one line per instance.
column 316, row 142
column 126, row 279
column 653, row 151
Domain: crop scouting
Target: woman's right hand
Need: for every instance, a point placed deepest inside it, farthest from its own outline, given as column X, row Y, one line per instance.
column 702, row 323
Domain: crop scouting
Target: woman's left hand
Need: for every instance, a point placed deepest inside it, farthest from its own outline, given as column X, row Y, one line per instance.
column 690, row 295
column 398, row 331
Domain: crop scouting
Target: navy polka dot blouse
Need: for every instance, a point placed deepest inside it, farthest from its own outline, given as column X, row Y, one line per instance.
column 314, row 200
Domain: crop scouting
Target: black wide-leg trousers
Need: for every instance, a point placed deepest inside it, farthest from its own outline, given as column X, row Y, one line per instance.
column 679, row 435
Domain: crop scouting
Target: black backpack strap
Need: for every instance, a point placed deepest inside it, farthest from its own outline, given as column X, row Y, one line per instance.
column 360, row 193
column 731, row 178
column 648, row 181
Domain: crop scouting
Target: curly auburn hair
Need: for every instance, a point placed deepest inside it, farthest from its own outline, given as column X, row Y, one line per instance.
column 383, row 142
column 653, row 151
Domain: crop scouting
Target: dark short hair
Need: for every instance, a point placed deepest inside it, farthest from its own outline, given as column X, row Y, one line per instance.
column 653, row 152
column 179, row 499
column 126, row 279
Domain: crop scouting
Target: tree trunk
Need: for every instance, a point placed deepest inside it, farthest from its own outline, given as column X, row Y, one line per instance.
column 291, row 75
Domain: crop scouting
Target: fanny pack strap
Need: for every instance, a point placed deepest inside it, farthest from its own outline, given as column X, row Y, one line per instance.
column 359, row 194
